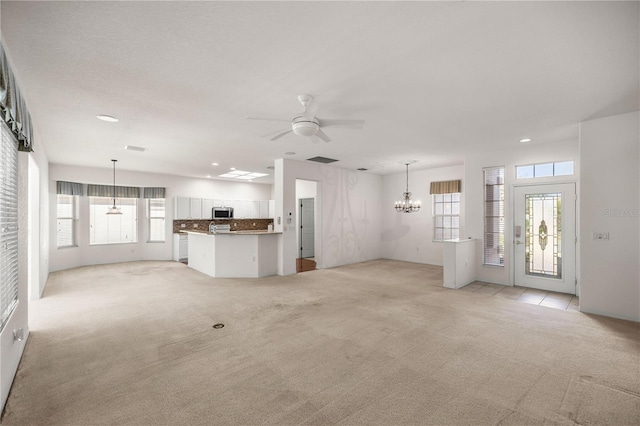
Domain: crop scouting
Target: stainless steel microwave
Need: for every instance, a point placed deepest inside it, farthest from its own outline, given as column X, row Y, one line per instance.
column 222, row 213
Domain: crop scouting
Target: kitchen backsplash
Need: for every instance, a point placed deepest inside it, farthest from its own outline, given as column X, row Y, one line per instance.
column 236, row 224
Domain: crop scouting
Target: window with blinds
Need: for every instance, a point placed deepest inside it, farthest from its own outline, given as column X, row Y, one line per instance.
column 446, row 216
column 8, row 225
column 66, row 220
column 116, row 228
column 156, row 215
column 494, row 216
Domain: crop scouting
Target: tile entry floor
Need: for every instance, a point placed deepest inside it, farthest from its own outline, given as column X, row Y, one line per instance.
column 533, row 296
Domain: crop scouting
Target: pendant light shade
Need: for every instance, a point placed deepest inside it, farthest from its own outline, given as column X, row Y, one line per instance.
column 406, row 205
column 113, row 209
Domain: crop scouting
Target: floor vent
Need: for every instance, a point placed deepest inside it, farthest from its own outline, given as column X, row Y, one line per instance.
column 323, row 160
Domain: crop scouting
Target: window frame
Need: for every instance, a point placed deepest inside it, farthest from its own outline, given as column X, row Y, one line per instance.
column 500, row 233
column 73, row 218
column 134, row 228
column 553, row 164
column 150, row 218
column 451, row 202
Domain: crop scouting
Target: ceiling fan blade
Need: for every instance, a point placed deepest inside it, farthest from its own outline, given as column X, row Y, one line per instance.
column 278, row 136
column 322, row 135
column 268, row 119
column 273, row 133
column 326, row 122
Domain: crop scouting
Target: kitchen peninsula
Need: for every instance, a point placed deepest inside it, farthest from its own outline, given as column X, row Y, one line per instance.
column 236, row 254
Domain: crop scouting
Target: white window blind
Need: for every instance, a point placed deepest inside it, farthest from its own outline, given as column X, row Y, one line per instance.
column 112, row 229
column 66, row 220
column 494, row 216
column 8, row 225
column 156, row 215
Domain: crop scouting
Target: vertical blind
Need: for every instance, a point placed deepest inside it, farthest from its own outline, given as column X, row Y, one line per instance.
column 494, row 216
column 8, row 225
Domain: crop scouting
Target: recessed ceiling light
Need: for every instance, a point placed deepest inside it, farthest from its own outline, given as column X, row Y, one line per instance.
column 232, row 168
column 208, row 176
column 215, row 164
column 525, row 140
column 290, row 153
column 108, row 118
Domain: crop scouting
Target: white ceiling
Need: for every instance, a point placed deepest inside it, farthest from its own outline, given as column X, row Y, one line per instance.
column 435, row 81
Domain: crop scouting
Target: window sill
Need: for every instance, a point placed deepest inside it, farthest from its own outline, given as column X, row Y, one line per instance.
column 67, row 247
column 156, row 242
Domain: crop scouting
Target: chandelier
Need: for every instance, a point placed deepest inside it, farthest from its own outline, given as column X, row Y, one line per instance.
column 406, row 205
column 114, row 209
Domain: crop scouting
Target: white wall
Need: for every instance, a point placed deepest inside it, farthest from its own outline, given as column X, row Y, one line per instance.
column 347, row 212
column 610, row 181
column 408, row 236
column 473, row 194
column 84, row 254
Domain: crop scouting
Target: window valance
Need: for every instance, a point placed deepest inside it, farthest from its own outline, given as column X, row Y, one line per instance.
column 158, row 192
column 13, row 109
column 69, row 188
column 446, row 187
column 107, row 191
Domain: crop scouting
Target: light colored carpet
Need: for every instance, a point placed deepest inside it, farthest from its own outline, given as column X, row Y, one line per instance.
column 380, row 342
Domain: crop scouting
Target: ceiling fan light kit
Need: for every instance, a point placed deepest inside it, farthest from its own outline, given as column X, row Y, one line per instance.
column 305, row 126
column 309, row 126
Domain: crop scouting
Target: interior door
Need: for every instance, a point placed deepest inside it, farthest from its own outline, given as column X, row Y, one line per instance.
column 307, row 227
column 545, row 237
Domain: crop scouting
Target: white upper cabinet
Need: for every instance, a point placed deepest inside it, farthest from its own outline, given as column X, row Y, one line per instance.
column 182, row 207
column 196, row 208
column 264, row 209
column 207, row 205
column 200, row 208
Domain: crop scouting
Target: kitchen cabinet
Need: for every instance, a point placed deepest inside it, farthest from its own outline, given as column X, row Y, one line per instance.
column 264, row 209
column 183, row 207
column 200, row 208
column 272, row 209
column 196, row 208
column 207, row 205
column 180, row 247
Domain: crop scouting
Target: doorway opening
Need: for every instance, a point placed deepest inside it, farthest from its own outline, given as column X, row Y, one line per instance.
column 306, row 194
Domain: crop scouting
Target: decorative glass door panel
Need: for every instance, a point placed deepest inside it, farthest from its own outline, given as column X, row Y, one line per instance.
column 544, row 237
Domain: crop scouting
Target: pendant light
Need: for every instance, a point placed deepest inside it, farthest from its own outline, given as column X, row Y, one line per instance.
column 113, row 209
column 406, row 205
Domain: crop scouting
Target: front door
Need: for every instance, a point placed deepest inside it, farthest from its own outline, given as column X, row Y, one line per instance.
column 307, row 228
column 545, row 237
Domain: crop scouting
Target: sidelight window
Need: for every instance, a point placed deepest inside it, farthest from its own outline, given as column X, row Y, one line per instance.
column 493, row 216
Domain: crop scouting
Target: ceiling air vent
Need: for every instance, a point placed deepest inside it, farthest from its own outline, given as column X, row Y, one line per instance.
column 323, row 160
column 362, row 169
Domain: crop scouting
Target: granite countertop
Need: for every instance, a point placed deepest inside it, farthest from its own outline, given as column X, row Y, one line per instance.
column 244, row 232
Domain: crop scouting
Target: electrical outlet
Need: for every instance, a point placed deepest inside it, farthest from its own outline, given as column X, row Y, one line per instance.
column 195, row 225
column 183, row 225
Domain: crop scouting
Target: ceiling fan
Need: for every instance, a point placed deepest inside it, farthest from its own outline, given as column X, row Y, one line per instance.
column 309, row 125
